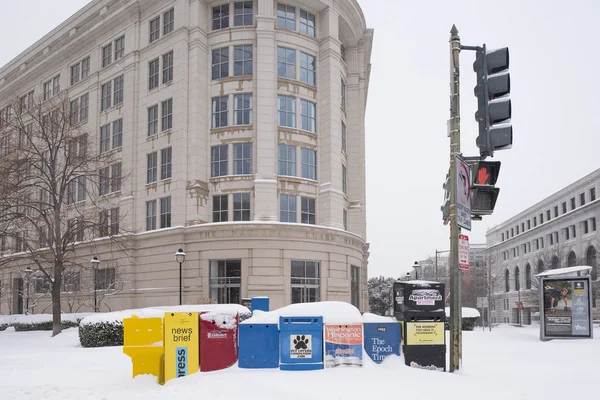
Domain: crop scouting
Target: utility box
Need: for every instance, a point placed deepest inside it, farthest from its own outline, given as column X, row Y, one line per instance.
column 301, row 343
column 419, row 306
column 258, row 345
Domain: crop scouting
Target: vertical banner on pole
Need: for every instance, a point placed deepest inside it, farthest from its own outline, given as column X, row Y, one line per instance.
column 181, row 344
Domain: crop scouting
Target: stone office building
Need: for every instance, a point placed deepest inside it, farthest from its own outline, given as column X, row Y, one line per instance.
column 560, row 231
column 241, row 129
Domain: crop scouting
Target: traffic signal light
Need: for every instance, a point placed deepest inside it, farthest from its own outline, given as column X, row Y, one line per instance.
column 493, row 102
column 446, row 206
column 483, row 191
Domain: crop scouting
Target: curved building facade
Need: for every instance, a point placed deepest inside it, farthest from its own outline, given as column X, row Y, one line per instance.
column 242, row 142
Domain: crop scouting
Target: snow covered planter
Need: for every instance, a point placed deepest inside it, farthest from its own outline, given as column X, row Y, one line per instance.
column 43, row 322
column 106, row 329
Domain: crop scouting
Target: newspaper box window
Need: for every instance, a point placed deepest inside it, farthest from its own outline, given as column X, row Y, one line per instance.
column 565, row 296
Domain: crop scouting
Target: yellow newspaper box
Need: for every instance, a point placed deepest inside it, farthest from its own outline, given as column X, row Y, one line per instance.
column 182, row 352
column 143, row 342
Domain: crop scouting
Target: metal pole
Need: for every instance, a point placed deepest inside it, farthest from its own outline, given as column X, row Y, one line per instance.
column 519, row 308
column 454, row 124
column 436, row 272
column 27, row 302
column 95, row 290
column 180, row 293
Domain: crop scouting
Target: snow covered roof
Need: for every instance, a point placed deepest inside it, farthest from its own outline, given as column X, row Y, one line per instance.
column 565, row 271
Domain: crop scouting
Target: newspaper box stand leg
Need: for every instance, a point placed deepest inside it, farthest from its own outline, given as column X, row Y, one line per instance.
column 143, row 342
column 301, row 343
column 419, row 306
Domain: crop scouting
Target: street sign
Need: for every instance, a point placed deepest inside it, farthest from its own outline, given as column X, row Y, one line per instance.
column 463, row 252
column 463, row 194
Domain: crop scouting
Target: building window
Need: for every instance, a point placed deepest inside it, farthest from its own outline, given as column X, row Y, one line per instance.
column 307, row 23
column 572, row 203
column 308, row 69
column 586, row 227
column 220, row 208
column 309, row 164
column 343, row 95
column 541, row 218
column 118, row 98
column 582, row 199
column 80, row 71
column 79, row 109
column 574, row 229
column 119, row 48
column 308, row 213
column 305, row 281
column 151, row 215
column 154, row 29
column 287, row 111
column 104, row 138
column 242, row 60
column 71, row 281
column 309, row 116
column 167, row 115
column 344, row 137
column 220, row 17
column 105, row 279
column 287, row 208
column 153, row 120
column 344, row 179
column 555, row 211
column 517, row 229
column 218, row 161
column 592, row 194
column 503, row 236
column 242, row 158
column 117, row 135
column 76, row 190
column 528, row 224
column 534, row 222
column 548, row 215
column 225, row 281
column 286, row 17
column 166, row 157
column 219, row 111
column 242, row 109
column 594, row 224
column 153, row 68
column 286, row 63
column 168, row 21
column 27, row 101
column 287, row 160
column 355, row 286
column 345, row 218
column 167, row 67
column 507, row 281
column 241, row 206
column 51, row 87
column 220, row 63
column 152, row 169
column 242, row 15
column 107, row 55
column 105, row 96
column 110, row 179
column 165, row 212
column 109, row 222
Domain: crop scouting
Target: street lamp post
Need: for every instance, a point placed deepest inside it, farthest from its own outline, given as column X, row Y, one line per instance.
column 180, row 258
column 28, row 271
column 416, row 266
column 95, row 263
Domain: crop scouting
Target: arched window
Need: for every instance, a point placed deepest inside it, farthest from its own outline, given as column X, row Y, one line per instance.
column 590, row 259
column 507, row 280
column 555, row 262
column 528, row 276
column 540, row 267
column 517, row 279
column 572, row 259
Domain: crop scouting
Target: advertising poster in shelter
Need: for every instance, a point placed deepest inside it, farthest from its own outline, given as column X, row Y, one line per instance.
column 566, row 308
column 343, row 345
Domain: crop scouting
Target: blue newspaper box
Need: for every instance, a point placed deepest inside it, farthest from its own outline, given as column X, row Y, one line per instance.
column 258, row 346
column 382, row 339
column 260, row 303
column 301, row 343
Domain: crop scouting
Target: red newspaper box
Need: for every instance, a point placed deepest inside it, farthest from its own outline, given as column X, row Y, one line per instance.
column 218, row 341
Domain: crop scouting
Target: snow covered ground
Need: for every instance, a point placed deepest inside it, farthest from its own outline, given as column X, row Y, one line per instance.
column 507, row 363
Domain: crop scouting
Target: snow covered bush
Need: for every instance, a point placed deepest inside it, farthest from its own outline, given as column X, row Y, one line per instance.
column 468, row 324
column 101, row 334
column 3, row 326
column 43, row 322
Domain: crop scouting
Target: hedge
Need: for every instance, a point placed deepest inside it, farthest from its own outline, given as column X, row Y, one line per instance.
column 468, row 324
column 3, row 327
column 42, row 326
column 101, row 334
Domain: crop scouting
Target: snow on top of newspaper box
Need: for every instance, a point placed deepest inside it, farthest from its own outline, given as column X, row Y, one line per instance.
column 467, row 312
column 370, row 317
column 333, row 312
column 422, row 283
column 159, row 312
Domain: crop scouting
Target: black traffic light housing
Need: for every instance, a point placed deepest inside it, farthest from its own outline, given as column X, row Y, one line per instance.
column 493, row 103
column 483, row 191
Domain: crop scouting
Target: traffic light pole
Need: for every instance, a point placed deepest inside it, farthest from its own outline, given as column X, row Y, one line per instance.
column 454, row 128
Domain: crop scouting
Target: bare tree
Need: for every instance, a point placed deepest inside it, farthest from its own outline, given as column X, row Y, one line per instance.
column 52, row 180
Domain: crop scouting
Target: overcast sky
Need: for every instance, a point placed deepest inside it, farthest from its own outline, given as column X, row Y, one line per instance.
column 555, row 97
